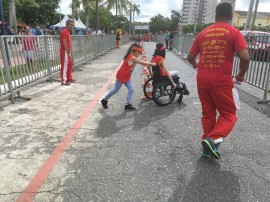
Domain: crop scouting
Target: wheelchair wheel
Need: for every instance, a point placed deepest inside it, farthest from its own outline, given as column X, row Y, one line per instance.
column 163, row 93
column 148, row 87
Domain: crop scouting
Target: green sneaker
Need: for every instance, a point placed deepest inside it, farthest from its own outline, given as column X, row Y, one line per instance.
column 205, row 153
column 211, row 148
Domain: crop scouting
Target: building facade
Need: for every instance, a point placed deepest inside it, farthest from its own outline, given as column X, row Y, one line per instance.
column 198, row 11
column 240, row 18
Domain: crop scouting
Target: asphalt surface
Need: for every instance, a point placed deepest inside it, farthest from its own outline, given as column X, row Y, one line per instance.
column 63, row 146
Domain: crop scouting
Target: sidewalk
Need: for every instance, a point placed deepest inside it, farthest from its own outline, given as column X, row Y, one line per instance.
column 63, row 146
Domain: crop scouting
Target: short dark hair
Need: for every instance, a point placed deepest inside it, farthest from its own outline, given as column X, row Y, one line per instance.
column 224, row 11
column 69, row 21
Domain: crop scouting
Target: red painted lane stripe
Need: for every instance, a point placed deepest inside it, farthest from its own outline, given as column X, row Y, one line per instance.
column 43, row 173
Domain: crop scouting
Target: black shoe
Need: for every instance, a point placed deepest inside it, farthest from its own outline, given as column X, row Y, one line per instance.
column 104, row 104
column 208, row 145
column 130, row 106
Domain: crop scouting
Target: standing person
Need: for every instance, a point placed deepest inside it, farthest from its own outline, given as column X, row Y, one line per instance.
column 39, row 31
column 166, row 38
column 28, row 46
column 124, row 74
column 118, row 37
column 65, row 54
column 216, row 46
column 171, row 37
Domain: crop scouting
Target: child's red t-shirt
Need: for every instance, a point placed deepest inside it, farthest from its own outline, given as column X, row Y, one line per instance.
column 124, row 73
column 158, row 59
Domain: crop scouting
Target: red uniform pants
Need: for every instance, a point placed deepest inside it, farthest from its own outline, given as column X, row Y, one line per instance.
column 221, row 100
column 66, row 67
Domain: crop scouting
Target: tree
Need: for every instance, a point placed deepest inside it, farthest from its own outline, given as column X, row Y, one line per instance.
column 12, row 14
column 46, row 14
column 135, row 9
column 87, row 5
column 27, row 11
column 39, row 12
column 159, row 23
column 175, row 18
column 119, row 5
column 75, row 5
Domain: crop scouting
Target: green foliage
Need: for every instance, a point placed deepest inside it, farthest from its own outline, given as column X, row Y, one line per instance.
column 34, row 12
column 159, row 23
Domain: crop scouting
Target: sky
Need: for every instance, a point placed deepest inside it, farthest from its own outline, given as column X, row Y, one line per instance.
column 150, row 8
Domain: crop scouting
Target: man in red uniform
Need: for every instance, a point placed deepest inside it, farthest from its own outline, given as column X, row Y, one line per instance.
column 65, row 54
column 216, row 46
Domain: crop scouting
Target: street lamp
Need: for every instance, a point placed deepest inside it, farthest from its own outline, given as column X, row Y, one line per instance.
column 180, row 21
column 60, row 14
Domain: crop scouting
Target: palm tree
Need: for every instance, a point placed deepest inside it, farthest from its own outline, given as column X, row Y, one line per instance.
column 75, row 4
column 12, row 14
column 87, row 4
column 118, row 5
column 135, row 9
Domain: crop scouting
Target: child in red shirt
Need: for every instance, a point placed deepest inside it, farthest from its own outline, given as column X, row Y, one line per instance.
column 124, row 74
column 160, row 72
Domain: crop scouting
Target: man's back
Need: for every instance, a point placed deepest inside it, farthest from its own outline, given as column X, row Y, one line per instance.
column 216, row 46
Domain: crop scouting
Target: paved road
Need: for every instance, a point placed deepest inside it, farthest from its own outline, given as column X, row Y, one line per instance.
column 63, row 146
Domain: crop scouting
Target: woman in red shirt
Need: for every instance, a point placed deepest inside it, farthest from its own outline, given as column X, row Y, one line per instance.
column 124, row 74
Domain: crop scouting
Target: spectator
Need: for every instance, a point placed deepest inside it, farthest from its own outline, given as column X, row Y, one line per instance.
column 28, row 45
column 216, row 46
column 171, row 37
column 65, row 54
column 118, row 37
column 9, row 31
column 32, row 30
column 39, row 31
column 166, row 39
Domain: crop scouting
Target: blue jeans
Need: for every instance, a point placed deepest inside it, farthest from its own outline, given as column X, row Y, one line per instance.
column 117, row 87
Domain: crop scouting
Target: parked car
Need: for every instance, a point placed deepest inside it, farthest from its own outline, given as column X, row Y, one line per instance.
column 258, row 44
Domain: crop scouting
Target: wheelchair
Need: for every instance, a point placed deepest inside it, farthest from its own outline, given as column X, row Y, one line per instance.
column 162, row 91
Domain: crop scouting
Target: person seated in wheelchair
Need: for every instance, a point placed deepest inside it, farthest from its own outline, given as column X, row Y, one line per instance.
column 160, row 72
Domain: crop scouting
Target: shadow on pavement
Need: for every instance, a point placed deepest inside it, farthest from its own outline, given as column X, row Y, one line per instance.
column 209, row 183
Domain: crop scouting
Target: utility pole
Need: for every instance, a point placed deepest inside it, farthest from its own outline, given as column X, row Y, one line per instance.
column 254, row 14
column 249, row 14
column 3, row 31
column 180, row 21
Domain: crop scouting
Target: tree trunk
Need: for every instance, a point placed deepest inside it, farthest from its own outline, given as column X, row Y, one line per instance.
column 97, row 16
column 87, row 23
column 12, row 15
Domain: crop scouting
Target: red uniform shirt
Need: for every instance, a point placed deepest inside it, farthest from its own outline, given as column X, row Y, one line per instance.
column 158, row 59
column 124, row 73
column 216, row 46
column 65, row 34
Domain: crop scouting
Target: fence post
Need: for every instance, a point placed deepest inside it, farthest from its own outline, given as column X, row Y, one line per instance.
column 7, row 66
column 47, row 56
column 267, row 88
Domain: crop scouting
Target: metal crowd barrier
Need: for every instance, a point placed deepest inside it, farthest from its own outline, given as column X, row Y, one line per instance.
column 258, row 73
column 28, row 60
